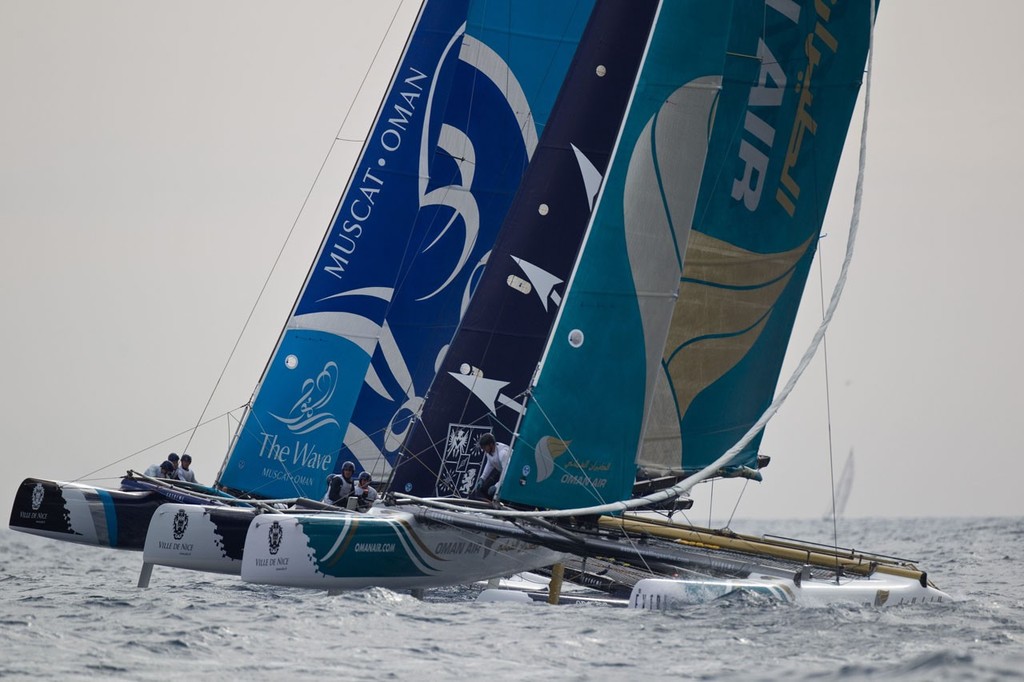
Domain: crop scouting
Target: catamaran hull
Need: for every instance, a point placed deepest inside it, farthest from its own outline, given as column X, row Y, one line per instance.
column 656, row 594
column 85, row 514
column 381, row 548
column 198, row 537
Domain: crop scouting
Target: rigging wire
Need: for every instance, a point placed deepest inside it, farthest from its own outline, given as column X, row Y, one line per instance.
column 161, row 442
column 828, row 414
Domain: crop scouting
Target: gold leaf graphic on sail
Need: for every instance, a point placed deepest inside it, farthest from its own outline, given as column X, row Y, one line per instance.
column 548, row 449
column 723, row 307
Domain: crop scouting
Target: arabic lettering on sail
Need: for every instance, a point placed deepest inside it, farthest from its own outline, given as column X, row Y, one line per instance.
column 759, row 134
column 803, row 121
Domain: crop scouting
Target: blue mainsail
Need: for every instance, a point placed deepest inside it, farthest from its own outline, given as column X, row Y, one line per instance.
column 420, row 213
column 513, row 60
column 502, row 335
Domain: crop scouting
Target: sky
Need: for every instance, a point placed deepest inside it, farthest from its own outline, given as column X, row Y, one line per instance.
column 155, row 157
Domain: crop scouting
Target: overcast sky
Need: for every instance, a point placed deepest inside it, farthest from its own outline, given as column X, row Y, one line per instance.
column 154, row 156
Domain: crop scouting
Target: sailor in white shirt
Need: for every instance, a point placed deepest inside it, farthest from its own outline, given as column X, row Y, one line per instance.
column 496, row 457
column 183, row 472
column 340, row 486
column 365, row 493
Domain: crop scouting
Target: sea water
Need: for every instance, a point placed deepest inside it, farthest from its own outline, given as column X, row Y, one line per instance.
column 73, row 612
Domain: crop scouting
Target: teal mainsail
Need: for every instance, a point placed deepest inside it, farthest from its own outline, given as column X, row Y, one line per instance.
column 671, row 340
column 778, row 136
column 582, row 428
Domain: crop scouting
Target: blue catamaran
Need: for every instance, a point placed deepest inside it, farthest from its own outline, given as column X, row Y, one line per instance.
column 457, row 127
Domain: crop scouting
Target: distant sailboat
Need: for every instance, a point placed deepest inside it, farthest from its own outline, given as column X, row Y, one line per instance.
column 841, row 495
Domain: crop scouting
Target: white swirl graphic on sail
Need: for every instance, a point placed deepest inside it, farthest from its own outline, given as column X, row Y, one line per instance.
column 306, row 414
column 459, row 147
column 489, row 63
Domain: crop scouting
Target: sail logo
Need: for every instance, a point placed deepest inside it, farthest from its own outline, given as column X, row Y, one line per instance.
column 537, row 279
column 803, row 122
column 547, row 450
column 488, row 391
column 37, row 496
column 179, row 523
column 462, row 461
column 308, row 413
column 766, row 96
column 274, row 537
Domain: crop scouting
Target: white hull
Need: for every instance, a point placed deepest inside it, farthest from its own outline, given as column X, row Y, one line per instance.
column 197, row 537
column 385, row 547
column 878, row 590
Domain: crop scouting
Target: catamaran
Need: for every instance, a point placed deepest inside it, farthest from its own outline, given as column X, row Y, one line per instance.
column 669, row 335
column 457, row 128
column 627, row 331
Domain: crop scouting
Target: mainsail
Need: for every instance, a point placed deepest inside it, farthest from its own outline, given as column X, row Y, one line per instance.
column 786, row 105
column 583, row 425
column 502, row 335
column 420, row 213
column 676, row 337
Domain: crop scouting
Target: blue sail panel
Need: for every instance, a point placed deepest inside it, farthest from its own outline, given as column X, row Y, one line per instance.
column 503, row 332
column 309, row 388
column 774, row 152
column 500, row 98
column 581, row 432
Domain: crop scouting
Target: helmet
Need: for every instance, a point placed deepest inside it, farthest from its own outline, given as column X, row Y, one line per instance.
column 486, row 439
column 348, row 466
column 365, row 476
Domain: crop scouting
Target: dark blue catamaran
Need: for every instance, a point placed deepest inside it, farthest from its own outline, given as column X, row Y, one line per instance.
column 440, row 166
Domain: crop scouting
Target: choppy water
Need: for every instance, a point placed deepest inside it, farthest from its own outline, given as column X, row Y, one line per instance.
column 73, row 612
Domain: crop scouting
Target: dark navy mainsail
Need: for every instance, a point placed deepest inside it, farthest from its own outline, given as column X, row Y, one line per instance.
column 502, row 335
